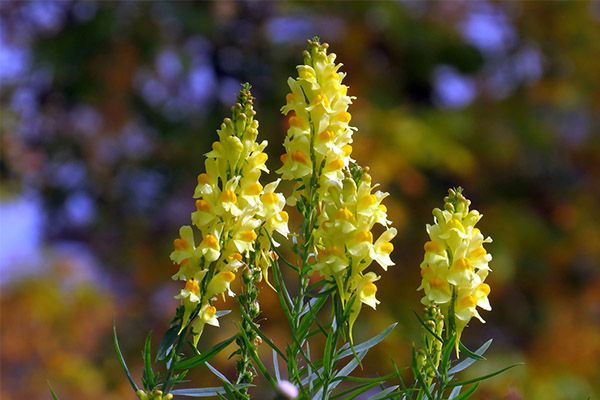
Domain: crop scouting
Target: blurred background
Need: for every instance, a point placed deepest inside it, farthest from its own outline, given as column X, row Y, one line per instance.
column 108, row 108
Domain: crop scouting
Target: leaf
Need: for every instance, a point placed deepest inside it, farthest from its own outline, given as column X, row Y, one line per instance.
column 221, row 313
column 355, row 391
column 217, row 373
column 467, row 393
column 367, row 344
column 205, row 392
column 328, row 351
column 483, row 377
column 54, row 396
column 383, row 394
column 455, row 392
column 205, row 356
column 121, row 359
column 167, row 341
column 377, row 379
column 467, row 363
column 428, row 328
column 147, row 356
column 469, row 353
column 345, row 371
column 276, row 366
column 446, row 353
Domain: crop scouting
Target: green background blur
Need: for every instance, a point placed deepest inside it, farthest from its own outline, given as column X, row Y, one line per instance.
column 108, row 108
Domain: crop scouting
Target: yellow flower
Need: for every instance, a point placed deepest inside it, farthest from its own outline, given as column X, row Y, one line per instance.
column 455, row 264
column 318, row 139
column 208, row 316
column 232, row 208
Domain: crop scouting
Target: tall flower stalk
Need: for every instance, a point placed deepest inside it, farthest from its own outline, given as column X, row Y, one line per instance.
column 344, row 230
column 334, row 196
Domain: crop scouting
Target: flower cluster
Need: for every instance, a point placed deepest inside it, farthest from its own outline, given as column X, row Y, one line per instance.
column 456, row 264
column 318, row 158
column 345, row 240
column 234, row 213
column 318, row 139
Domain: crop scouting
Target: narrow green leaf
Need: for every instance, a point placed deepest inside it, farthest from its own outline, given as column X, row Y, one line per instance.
column 221, row 313
column 367, row 344
column 217, row 373
column 378, row 379
column 328, row 352
column 345, row 371
column 281, row 290
column 121, row 359
column 467, row 363
column 384, row 394
column 469, row 353
column 205, row 392
column 455, row 392
column 54, row 396
column 167, row 341
column 428, row 328
column 360, row 389
column 147, row 356
column 205, row 356
column 316, row 285
column 467, row 393
column 446, row 353
column 276, row 366
column 463, row 383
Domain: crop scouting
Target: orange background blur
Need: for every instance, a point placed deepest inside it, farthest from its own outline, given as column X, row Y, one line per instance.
column 108, row 108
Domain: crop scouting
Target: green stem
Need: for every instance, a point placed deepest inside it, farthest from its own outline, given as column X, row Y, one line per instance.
column 248, row 302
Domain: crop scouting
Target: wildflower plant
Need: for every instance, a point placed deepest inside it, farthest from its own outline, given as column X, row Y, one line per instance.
column 340, row 250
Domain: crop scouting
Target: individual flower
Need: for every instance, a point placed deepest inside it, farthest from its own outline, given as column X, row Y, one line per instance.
column 455, row 264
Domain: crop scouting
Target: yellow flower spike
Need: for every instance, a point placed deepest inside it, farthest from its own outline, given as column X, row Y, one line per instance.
column 457, row 284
